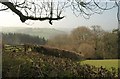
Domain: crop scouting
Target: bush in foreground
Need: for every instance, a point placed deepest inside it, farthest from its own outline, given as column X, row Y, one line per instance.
column 35, row 65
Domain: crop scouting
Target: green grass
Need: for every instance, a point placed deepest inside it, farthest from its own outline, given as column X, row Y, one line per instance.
column 105, row 63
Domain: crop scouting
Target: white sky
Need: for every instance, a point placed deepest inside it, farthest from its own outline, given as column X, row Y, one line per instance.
column 107, row 20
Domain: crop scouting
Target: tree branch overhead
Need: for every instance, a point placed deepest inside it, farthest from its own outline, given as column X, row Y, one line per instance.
column 23, row 17
column 52, row 10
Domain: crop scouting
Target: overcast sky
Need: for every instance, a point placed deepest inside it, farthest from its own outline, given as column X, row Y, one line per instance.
column 107, row 21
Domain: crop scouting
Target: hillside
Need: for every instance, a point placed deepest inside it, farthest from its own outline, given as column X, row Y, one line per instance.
column 41, row 32
column 22, row 39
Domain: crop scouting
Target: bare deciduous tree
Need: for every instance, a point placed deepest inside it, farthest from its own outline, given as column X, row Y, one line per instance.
column 34, row 9
column 53, row 9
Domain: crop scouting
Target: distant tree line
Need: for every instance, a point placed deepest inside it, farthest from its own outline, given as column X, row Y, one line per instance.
column 93, row 43
column 17, row 39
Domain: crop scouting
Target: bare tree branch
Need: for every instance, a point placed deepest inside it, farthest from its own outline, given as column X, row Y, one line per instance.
column 4, row 9
column 118, row 14
column 48, row 9
column 86, row 8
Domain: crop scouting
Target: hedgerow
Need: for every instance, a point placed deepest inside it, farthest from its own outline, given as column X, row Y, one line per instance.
column 37, row 65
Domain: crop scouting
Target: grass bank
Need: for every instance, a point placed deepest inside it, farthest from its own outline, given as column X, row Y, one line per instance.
column 108, row 63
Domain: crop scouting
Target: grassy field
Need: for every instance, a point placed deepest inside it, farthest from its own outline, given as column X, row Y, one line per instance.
column 105, row 63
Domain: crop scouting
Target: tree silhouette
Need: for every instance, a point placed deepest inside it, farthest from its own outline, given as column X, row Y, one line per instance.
column 34, row 10
column 118, row 30
column 53, row 9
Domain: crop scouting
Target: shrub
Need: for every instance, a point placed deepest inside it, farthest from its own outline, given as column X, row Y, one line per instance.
column 58, row 52
column 37, row 65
